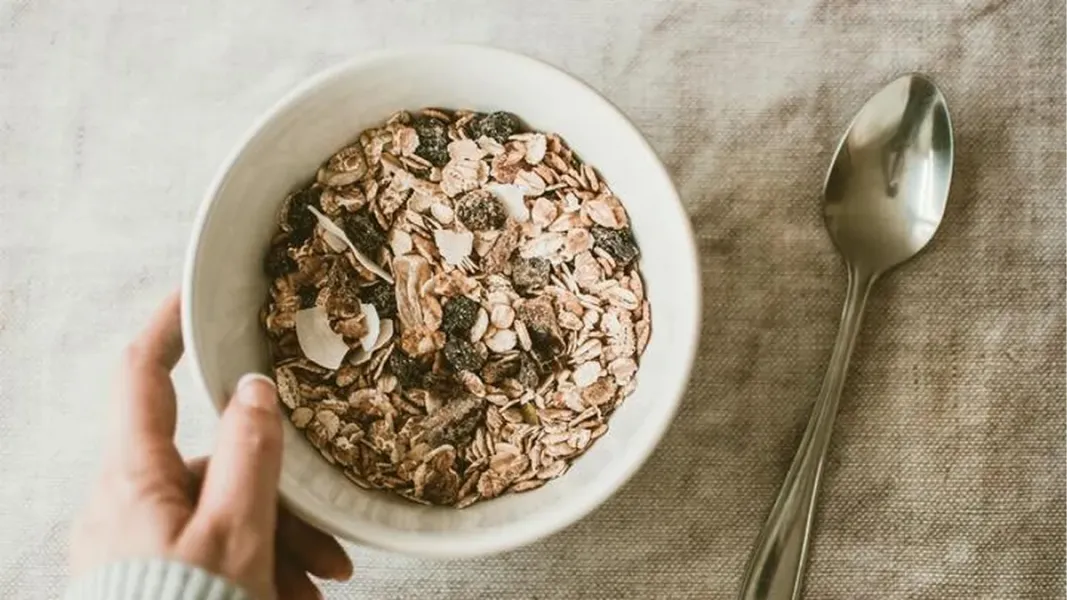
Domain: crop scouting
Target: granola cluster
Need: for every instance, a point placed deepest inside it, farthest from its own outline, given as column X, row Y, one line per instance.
column 456, row 307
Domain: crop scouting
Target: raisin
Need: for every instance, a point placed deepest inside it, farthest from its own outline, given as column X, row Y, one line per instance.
column 363, row 231
column 497, row 371
column 479, row 210
column 619, row 243
column 529, row 373
column 499, row 125
column 455, row 422
column 409, row 371
column 433, row 140
column 383, row 296
column 461, row 355
column 443, row 385
column 278, row 263
column 540, row 320
column 459, row 315
column 301, row 220
column 308, row 295
column 529, row 273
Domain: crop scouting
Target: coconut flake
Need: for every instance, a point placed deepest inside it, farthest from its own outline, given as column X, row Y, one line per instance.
column 511, row 197
column 374, row 327
column 335, row 243
column 384, row 335
column 454, row 246
column 535, row 148
column 320, row 343
column 336, row 230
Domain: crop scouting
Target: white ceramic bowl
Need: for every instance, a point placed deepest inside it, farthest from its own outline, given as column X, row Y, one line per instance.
column 224, row 287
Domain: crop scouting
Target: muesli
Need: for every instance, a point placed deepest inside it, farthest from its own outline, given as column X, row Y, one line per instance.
column 456, row 307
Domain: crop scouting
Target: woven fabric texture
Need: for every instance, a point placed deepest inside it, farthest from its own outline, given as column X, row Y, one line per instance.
column 946, row 471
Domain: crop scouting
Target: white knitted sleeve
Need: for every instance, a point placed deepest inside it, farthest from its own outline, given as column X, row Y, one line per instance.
column 152, row 579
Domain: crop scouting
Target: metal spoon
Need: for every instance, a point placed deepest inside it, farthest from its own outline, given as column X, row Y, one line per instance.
column 884, row 198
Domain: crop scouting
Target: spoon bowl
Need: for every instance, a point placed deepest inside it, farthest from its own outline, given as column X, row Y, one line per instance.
column 885, row 196
column 886, row 188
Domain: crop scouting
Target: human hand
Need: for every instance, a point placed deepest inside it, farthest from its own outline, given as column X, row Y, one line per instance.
column 221, row 514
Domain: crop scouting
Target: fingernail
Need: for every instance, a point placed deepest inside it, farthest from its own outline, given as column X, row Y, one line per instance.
column 257, row 391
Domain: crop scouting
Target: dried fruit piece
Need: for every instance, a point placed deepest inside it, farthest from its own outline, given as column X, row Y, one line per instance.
column 408, row 371
column 297, row 217
column 336, row 230
column 479, row 210
column 433, row 140
column 539, row 318
column 454, row 423
column 383, row 296
column 497, row 257
column 496, row 371
column 363, row 232
column 529, row 374
column 498, row 126
column 529, row 274
column 278, row 263
column 461, row 355
column 459, row 315
column 619, row 243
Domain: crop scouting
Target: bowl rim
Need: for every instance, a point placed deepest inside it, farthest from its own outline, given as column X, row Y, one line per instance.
column 501, row 538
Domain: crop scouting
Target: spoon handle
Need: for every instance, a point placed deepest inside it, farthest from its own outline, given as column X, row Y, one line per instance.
column 776, row 569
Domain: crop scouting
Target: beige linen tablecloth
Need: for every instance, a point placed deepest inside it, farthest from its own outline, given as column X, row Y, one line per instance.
column 946, row 473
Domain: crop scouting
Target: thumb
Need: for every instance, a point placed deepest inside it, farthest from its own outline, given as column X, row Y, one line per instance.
column 241, row 485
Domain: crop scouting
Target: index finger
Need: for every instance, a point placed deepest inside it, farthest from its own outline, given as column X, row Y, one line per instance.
column 146, row 405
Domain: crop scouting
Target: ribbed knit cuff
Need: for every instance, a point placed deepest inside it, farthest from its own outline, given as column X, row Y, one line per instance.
column 152, row 579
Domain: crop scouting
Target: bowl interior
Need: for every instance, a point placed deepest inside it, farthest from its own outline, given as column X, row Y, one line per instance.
column 225, row 287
